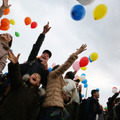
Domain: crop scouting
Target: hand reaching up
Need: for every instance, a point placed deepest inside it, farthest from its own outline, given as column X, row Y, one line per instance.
column 81, row 49
column 5, row 5
column 12, row 57
column 46, row 28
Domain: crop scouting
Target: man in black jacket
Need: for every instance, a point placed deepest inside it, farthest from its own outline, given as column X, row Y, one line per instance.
column 92, row 106
column 38, row 65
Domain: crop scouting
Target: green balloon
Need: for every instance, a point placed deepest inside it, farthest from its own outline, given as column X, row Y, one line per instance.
column 17, row 34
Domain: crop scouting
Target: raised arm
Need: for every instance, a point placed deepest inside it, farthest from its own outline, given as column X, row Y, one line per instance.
column 14, row 71
column 61, row 69
column 37, row 45
column 3, row 7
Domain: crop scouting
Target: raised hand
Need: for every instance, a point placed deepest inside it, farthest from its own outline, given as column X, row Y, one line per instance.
column 81, row 49
column 46, row 28
column 5, row 5
column 45, row 64
column 12, row 57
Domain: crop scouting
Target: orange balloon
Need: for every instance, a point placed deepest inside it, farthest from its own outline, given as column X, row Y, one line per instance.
column 4, row 28
column 5, row 22
column 27, row 20
column 6, row 11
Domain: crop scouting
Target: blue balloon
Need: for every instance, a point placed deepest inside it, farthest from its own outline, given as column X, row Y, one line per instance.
column 5, row 73
column 84, row 81
column 78, row 12
column 83, row 74
column 90, row 59
column 85, row 85
column 98, row 89
column 82, row 96
column 50, row 69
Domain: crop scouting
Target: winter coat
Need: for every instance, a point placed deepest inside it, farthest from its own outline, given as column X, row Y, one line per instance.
column 110, row 106
column 33, row 64
column 23, row 102
column 3, row 55
column 55, row 84
column 92, row 107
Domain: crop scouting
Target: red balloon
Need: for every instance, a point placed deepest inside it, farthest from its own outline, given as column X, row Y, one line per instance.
column 84, row 61
column 34, row 25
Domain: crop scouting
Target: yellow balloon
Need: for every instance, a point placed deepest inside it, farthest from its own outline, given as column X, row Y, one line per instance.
column 12, row 21
column 83, row 68
column 99, row 11
column 79, row 79
column 94, row 56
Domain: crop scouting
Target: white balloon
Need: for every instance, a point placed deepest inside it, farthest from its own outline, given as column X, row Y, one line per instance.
column 86, row 2
column 82, row 78
column 114, row 89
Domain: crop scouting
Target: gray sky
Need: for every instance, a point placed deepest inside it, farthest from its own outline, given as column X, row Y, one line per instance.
column 66, row 35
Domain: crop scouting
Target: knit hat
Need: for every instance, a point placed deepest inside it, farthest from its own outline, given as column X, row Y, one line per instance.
column 48, row 52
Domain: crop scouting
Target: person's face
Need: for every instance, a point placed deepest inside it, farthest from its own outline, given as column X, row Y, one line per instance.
column 6, row 37
column 96, row 95
column 44, row 56
column 35, row 79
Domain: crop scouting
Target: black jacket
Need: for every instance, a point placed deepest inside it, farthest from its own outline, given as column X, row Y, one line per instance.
column 92, row 107
column 23, row 102
column 33, row 65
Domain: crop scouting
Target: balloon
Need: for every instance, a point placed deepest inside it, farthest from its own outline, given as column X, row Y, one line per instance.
column 100, row 11
column 105, row 108
column 84, row 81
column 5, row 22
column 83, row 74
column 82, row 96
column 85, row 85
column 78, row 12
column 84, row 68
column 98, row 89
column 50, row 69
column 76, row 77
column 76, row 66
column 33, row 25
column 12, row 22
column 82, row 78
column 86, row 2
column 53, row 65
column 114, row 89
column 90, row 59
column 6, row 11
column 17, row 34
column 83, row 61
column 27, row 20
column 4, row 28
column 94, row 56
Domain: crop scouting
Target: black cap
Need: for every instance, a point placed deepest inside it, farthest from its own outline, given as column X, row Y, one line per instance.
column 77, row 80
column 48, row 52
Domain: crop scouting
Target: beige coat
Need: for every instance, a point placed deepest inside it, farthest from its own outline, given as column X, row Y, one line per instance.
column 55, row 84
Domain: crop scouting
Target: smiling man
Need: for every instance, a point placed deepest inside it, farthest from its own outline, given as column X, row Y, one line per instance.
column 38, row 65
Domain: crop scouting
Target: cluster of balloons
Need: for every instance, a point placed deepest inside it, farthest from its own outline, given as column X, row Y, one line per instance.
column 28, row 21
column 93, row 57
column 78, row 11
column 83, row 80
column 114, row 90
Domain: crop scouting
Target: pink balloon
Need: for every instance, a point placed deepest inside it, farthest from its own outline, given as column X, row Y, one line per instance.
column 84, row 61
column 53, row 65
column 34, row 25
column 76, row 66
column 76, row 77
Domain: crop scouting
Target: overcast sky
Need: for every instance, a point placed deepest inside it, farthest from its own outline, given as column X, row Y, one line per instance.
column 66, row 35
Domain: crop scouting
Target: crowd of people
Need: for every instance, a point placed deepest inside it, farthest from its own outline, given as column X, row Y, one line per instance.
column 30, row 92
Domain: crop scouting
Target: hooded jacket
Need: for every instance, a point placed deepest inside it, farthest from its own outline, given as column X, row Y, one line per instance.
column 55, row 84
column 23, row 103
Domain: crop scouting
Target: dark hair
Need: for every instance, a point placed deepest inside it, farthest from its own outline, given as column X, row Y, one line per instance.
column 10, row 43
column 55, row 67
column 70, row 75
column 117, row 100
column 93, row 92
